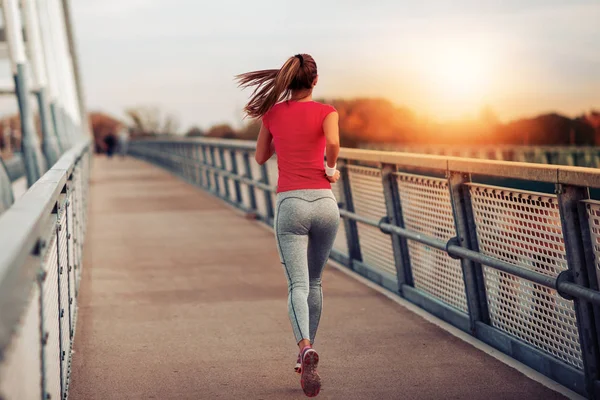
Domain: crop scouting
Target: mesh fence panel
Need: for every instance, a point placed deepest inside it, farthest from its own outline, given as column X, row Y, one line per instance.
column 210, row 161
column 258, row 193
column 368, row 201
column 245, row 189
column 77, row 227
column 51, row 323
column 230, row 182
column 524, row 229
column 340, row 243
column 63, row 278
column 219, row 164
column 20, row 375
column 427, row 208
column 71, row 260
column 593, row 212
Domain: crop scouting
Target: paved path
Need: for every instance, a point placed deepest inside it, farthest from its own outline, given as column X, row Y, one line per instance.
column 182, row 298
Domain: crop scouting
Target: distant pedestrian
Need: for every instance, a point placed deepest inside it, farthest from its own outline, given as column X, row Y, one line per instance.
column 307, row 216
column 110, row 142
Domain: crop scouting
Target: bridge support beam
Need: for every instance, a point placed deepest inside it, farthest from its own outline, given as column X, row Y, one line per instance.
column 582, row 267
column 34, row 162
column 236, row 183
column 467, row 237
column 354, row 253
column 394, row 213
column 251, row 190
column 50, row 144
column 58, row 125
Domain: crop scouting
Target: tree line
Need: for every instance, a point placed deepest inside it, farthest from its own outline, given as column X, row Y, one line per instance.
column 362, row 121
column 368, row 120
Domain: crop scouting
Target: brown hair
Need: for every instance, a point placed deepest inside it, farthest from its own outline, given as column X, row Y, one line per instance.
column 273, row 85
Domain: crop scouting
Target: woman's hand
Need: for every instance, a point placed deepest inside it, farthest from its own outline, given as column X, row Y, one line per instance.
column 334, row 178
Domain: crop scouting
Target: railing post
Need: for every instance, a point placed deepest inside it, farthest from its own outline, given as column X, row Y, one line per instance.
column 213, row 163
column 207, row 158
column 251, row 191
column 196, row 162
column 464, row 223
column 394, row 213
column 569, row 199
column 204, row 171
column 235, row 171
column 224, row 168
column 350, row 226
column 268, row 203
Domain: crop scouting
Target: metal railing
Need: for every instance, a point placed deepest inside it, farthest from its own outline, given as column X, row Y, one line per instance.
column 580, row 156
column 517, row 269
column 41, row 242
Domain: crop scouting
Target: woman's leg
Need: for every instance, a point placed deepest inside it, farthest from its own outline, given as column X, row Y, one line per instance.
column 324, row 226
column 291, row 231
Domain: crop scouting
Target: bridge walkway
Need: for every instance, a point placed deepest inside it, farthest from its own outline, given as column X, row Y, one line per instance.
column 183, row 298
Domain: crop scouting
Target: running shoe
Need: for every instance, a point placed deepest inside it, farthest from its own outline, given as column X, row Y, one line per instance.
column 310, row 379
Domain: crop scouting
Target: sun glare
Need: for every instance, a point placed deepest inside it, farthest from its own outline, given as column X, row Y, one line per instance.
column 459, row 75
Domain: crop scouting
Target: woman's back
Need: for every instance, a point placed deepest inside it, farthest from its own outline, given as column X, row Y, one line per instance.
column 297, row 129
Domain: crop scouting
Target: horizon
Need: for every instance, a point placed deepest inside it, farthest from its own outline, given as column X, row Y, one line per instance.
column 444, row 62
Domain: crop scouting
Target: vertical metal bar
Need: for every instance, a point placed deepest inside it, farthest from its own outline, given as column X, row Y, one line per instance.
column 59, row 297
column 267, row 193
column 7, row 197
column 465, row 229
column 205, row 151
column 593, row 275
column 236, row 183
column 213, row 163
column 50, row 144
column 350, row 226
column 197, row 168
column 70, row 300
column 251, row 189
column 43, row 334
column 394, row 213
column 569, row 198
column 30, row 145
column 224, row 168
column 189, row 161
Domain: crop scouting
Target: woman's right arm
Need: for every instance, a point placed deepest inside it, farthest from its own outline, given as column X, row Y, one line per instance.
column 332, row 138
column 332, row 148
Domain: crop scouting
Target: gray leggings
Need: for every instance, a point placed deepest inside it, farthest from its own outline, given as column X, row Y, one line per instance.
column 306, row 223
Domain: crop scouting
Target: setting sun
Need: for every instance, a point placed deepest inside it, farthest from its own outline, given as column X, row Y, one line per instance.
column 460, row 75
column 456, row 76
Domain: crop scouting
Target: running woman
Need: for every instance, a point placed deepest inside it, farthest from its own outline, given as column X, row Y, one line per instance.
column 307, row 216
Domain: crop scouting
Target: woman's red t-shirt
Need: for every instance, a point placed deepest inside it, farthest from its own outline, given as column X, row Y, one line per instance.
column 297, row 129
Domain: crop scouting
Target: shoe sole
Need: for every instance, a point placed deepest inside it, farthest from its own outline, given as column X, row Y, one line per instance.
column 310, row 380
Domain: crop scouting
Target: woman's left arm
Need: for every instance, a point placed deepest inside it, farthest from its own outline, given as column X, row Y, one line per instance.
column 264, row 145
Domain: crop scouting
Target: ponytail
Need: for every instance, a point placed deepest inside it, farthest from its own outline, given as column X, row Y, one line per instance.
column 274, row 85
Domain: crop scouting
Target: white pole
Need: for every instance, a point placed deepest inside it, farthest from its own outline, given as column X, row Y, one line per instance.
column 34, row 42
column 14, row 35
column 30, row 145
column 50, row 143
column 66, row 64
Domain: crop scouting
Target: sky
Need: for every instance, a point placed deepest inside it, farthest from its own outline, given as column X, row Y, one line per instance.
column 444, row 59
